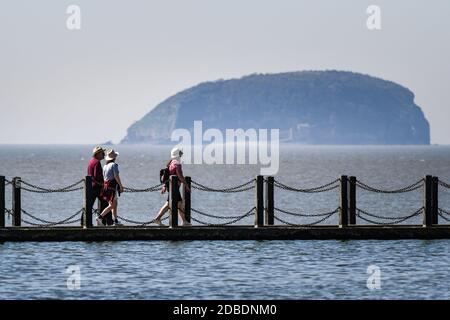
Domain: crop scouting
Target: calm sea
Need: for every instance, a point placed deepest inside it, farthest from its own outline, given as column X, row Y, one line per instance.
column 410, row 269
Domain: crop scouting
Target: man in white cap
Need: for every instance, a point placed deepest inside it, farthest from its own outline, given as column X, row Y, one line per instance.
column 96, row 172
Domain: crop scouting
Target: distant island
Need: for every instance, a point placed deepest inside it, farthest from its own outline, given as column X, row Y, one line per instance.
column 309, row 107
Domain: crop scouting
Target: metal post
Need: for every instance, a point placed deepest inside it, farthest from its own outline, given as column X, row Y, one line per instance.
column 428, row 193
column 173, row 217
column 435, row 200
column 259, row 214
column 88, row 202
column 2, row 201
column 16, row 202
column 352, row 200
column 270, row 201
column 187, row 200
column 99, row 209
column 343, row 218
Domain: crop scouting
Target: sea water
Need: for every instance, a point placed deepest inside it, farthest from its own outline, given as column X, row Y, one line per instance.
column 313, row 269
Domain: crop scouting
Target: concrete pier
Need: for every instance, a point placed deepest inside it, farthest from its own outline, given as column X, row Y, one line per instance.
column 223, row 233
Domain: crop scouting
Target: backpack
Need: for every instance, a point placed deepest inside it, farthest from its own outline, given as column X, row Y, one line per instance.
column 164, row 175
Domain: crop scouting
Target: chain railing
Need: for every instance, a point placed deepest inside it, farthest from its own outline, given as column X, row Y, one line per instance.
column 323, row 188
column 319, row 189
column 240, row 188
column 249, row 185
column 45, row 223
column 395, row 220
column 302, row 214
column 37, row 189
column 415, row 186
column 326, row 216
column 214, row 216
column 443, row 213
column 235, row 218
column 8, row 212
column 444, row 184
column 154, row 188
column 368, row 217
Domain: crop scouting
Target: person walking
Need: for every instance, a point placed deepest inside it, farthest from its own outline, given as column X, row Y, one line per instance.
column 174, row 168
column 95, row 170
column 112, row 185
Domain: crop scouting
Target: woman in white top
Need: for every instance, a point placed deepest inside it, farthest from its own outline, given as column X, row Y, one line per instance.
column 110, row 186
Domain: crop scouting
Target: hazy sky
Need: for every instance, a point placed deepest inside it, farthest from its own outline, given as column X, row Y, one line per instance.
column 89, row 85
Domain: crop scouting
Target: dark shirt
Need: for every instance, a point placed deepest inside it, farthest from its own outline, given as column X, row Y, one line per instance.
column 96, row 172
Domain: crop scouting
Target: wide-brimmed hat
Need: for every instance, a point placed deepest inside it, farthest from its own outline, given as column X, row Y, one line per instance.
column 111, row 155
column 176, row 153
column 97, row 149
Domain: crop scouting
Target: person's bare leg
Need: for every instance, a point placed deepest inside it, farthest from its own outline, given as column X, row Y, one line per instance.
column 161, row 212
column 105, row 212
column 181, row 214
column 114, row 209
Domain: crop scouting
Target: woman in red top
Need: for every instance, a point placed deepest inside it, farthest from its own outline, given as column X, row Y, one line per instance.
column 174, row 166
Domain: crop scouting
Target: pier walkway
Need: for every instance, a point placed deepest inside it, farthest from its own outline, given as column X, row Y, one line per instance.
column 270, row 221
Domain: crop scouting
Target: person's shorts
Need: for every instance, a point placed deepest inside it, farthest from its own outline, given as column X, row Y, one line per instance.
column 109, row 190
column 177, row 195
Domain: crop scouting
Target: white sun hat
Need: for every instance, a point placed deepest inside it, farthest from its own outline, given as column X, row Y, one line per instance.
column 111, row 155
column 176, row 153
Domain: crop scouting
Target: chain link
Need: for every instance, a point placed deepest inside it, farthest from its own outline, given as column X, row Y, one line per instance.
column 7, row 182
column 386, row 218
column 55, row 191
column 240, row 188
column 304, row 214
column 150, row 189
column 45, row 223
column 323, row 188
column 37, row 189
column 307, row 224
column 412, row 187
column 247, row 214
column 444, row 184
column 213, row 216
column 397, row 220
column 441, row 213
